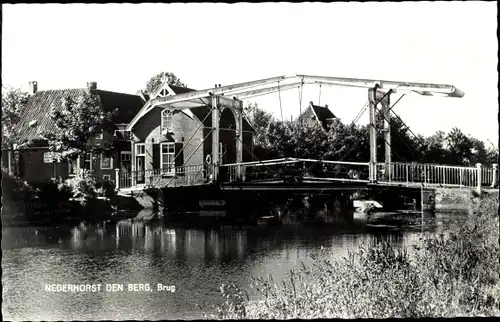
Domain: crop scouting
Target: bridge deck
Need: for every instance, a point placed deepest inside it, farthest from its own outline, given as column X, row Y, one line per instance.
column 307, row 174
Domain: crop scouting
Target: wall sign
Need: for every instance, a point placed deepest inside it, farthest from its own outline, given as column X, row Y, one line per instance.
column 48, row 157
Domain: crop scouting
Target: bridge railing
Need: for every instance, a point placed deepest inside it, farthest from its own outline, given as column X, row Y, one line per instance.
column 172, row 177
column 445, row 175
column 293, row 168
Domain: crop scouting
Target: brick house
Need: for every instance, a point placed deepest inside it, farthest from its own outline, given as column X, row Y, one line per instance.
column 33, row 162
column 171, row 140
column 321, row 114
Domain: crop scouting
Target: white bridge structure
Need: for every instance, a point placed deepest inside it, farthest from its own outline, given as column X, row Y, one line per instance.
column 306, row 171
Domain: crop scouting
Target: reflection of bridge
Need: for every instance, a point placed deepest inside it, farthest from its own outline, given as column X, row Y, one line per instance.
column 296, row 173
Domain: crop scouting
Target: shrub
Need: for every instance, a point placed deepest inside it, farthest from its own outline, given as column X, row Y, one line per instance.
column 452, row 275
column 82, row 187
column 106, row 189
column 15, row 189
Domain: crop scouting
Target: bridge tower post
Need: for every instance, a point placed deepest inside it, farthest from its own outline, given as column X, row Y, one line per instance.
column 215, row 137
column 384, row 99
column 239, row 141
column 372, row 103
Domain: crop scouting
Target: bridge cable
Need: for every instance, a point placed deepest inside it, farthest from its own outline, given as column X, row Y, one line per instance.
column 279, row 96
column 412, row 151
column 319, row 99
column 253, row 155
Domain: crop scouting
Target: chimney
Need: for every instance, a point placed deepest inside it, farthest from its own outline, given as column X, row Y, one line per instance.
column 92, row 85
column 33, row 87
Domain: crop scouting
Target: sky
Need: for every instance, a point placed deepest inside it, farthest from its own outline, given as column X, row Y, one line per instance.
column 120, row 46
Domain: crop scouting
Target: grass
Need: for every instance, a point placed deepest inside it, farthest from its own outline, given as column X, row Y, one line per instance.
column 451, row 275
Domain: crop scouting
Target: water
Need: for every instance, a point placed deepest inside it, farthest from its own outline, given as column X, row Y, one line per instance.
column 195, row 261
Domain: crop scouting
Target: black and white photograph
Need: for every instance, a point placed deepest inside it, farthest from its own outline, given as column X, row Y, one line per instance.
column 187, row 161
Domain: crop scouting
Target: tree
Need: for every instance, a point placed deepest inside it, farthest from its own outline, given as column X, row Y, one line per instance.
column 77, row 122
column 155, row 81
column 260, row 121
column 460, row 147
column 13, row 101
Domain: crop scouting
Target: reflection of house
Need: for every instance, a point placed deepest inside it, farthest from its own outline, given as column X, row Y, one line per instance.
column 321, row 114
column 34, row 164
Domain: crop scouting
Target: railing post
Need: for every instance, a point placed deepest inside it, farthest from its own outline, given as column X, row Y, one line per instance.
column 495, row 171
column 479, row 179
column 407, row 175
column 117, row 178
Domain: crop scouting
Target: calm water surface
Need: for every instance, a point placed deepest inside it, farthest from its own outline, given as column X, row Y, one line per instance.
column 195, row 261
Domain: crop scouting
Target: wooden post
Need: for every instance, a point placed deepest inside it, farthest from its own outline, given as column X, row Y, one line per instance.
column 479, row 179
column 385, row 102
column 373, row 134
column 239, row 141
column 495, row 173
column 117, row 178
column 9, row 161
column 215, row 137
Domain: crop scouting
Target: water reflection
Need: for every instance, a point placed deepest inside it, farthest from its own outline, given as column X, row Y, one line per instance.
column 196, row 261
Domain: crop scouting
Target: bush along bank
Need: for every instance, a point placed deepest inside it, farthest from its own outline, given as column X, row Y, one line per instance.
column 455, row 274
column 58, row 200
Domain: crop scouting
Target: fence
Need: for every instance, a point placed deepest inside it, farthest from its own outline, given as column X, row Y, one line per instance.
column 172, row 177
column 292, row 169
column 445, row 175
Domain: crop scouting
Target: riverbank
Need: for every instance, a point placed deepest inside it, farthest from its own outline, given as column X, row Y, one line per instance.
column 38, row 212
column 451, row 275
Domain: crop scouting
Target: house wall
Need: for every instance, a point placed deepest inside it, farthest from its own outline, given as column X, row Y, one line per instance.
column 148, row 130
column 34, row 169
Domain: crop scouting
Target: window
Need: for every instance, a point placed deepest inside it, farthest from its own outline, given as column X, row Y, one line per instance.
column 106, row 177
column 140, row 149
column 106, row 162
column 167, row 158
column 73, row 166
column 126, row 156
column 166, row 120
column 87, row 163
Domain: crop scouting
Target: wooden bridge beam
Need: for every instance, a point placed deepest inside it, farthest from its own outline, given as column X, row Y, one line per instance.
column 372, row 103
column 215, row 137
column 239, row 140
column 384, row 99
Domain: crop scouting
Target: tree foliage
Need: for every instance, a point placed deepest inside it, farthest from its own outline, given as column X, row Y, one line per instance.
column 77, row 123
column 13, row 101
column 341, row 142
column 155, row 81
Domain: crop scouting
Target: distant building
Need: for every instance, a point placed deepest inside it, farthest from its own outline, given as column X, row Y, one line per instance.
column 316, row 113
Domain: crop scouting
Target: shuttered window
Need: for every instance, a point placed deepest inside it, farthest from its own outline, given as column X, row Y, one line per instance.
column 167, row 158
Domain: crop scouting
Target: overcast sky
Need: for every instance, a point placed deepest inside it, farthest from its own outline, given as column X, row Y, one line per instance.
column 120, row 46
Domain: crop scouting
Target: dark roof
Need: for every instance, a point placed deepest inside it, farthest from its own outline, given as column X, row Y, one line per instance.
column 323, row 113
column 39, row 106
column 181, row 90
column 128, row 105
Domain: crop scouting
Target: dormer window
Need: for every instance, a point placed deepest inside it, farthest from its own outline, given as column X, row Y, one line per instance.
column 166, row 121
